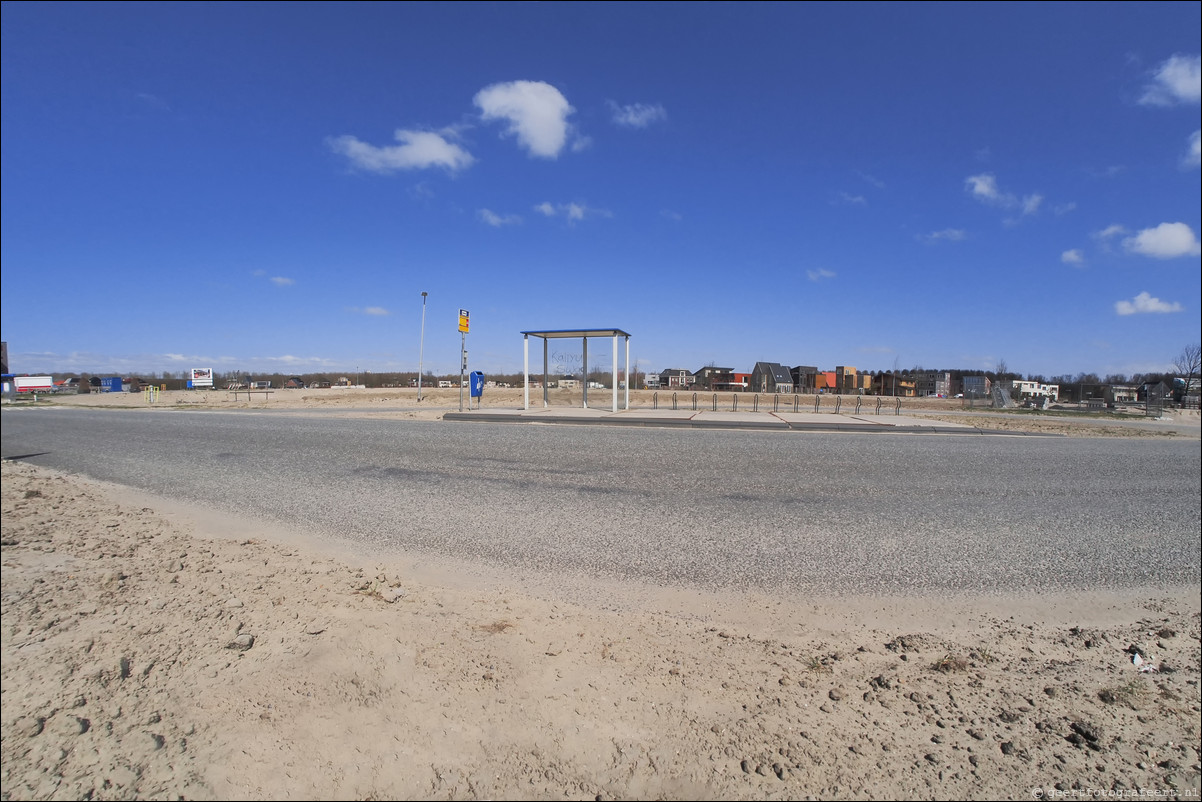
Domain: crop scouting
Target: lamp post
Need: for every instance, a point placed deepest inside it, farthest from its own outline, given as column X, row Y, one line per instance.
column 421, row 347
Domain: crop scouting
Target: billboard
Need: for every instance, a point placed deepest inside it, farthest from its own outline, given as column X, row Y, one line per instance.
column 201, row 377
column 33, row 384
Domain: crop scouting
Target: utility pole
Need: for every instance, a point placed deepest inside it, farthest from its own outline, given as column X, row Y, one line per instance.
column 420, row 348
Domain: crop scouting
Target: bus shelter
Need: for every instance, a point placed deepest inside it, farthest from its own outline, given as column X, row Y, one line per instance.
column 584, row 335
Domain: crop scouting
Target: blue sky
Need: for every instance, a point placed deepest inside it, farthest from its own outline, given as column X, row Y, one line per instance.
column 271, row 187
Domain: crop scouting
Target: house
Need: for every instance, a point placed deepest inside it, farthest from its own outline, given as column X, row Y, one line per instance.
column 712, row 378
column 891, row 383
column 771, row 377
column 675, row 379
column 851, row 381
column 804, row 378
column 295, row 383
column 1027, row 389
column 933, row 383
column 1155, row 391
column 1116, row 394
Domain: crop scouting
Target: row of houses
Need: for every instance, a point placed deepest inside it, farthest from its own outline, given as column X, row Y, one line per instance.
column 773, row 377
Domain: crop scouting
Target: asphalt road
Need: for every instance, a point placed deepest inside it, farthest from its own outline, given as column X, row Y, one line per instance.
column 828, row 514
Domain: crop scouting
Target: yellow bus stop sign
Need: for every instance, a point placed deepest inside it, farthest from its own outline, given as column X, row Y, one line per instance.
column 463, row 320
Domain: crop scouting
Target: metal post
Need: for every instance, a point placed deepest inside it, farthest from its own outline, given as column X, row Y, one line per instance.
column 636, row 370
column 546, row 402
column 614, row 374
column 526, row 371
column 420, row 349
column 584, row 396
column 462, row 365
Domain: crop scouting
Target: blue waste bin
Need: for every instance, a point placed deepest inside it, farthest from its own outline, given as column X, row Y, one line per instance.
column 476, row 383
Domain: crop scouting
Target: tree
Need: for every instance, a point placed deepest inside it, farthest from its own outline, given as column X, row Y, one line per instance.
column 1187, row 365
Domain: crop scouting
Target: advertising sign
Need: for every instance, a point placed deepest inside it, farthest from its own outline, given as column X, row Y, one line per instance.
column 202, row 377
column 31, row 384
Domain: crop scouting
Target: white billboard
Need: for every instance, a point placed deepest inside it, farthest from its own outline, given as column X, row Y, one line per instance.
column 202, row 377
column 31, row 384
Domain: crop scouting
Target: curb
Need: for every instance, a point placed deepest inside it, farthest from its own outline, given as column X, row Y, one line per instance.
column 778, row 426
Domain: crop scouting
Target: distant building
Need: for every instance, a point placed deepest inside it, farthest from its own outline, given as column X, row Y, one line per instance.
column 675, row 379
column 977, row 386
column 771, row 377
column 891, row 383
column 712, row 378
column 1025, row 389
column 805, row 378
column 933, row 382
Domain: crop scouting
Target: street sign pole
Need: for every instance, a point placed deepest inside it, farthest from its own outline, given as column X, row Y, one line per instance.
column 463, row 327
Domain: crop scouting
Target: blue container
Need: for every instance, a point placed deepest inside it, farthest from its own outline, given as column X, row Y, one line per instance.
column 111, row 384
column 476, row 382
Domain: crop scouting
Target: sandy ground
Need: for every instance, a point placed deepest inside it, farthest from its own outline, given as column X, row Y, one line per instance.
column 402, row 403
column 148, row 654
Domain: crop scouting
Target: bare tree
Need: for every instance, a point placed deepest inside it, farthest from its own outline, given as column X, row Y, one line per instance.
column 1187, row 365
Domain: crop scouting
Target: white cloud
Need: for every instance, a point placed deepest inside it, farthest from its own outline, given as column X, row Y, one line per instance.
column 637, row 115
column 1178, row 80
column 1065, row 208
column 1144, row 303
column 1193, row 156
column 419, row 150
column 1166, row 241
column 949, row 234
column 376, row 310
column 573, row 212
column 984, row 188
column 280, row 281
column 497, row 220
column 1112, row 230
column 537, row 114
column 1073, row 257
column 871, row 179
column 851, row 200
column 821, row 274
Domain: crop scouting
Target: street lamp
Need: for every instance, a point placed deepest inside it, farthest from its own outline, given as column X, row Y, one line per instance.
column 421, row 347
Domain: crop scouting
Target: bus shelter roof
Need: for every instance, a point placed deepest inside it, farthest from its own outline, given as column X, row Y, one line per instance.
column 559, row 333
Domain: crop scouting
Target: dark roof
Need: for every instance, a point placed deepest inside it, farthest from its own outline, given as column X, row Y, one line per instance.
column 779, row 372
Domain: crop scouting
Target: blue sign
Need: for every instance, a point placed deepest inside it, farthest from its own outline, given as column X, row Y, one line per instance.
column 476, row 379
